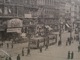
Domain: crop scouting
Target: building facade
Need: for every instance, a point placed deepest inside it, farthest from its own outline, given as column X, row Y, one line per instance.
column 14, row 9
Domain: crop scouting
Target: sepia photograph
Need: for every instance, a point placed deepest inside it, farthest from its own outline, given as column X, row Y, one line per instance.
column 39, row 29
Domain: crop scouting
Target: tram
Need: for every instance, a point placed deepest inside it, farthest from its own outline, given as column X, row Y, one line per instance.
column 37, row 42
column 41, row 41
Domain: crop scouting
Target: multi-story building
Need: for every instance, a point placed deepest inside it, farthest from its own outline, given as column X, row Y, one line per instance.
column 11, row 9
column 47, row 13
column 74, row 11
column 71, row 12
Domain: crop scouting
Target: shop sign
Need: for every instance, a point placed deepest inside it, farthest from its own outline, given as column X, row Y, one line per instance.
column 15, row 23
column 27, row 15
column 18, row 30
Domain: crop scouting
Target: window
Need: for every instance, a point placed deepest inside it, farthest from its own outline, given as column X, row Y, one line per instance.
column 7, row 1
column 0, row 10
column 5, row 10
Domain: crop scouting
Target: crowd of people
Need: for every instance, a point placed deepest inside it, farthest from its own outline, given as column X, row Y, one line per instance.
column 69, row 41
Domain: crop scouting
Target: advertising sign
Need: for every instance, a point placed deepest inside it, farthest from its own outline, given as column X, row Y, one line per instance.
column 15, row 23
column 27, row 15
column 18, row 30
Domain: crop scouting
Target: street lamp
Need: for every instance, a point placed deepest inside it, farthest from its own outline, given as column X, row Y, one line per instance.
column 29, row 36
column 61, row 29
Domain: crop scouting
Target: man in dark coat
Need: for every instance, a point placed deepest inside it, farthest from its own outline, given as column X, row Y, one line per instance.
column 12, row 45
column 59, row 42
column 28, row 51
column 22, row 51
column 46, row 46
column 6, row 58
column 79, row 48
column 44, row 42
column 10, row 58
column 38, row 44
column 7, row 45
column 40, row 49
column 18, row 57
column 69, row 42
column 68, row 54
column 72, row 55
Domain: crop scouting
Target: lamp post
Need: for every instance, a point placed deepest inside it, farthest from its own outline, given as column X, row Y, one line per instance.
column 61, row 29
column 60, row 32
column 29, row 36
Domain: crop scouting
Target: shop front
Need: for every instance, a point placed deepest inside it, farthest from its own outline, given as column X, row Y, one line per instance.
column 2, row 33
column 2, row 30
column 14, row 28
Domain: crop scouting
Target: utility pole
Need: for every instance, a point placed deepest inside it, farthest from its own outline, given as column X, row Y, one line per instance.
column 61, row 22
column 60, row 32
column 29, row 35
column 61, row 28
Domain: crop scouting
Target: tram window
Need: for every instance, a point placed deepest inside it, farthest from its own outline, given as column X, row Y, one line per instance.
column 33, row 42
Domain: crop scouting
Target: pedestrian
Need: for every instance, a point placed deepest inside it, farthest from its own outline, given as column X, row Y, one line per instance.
column 44, row 41
column 46, row 46
column 7, row 45
column 72, row 55
column 68, row 54
column 66, row 43
column 79, row 42
column 40, row 49
column 28, row 51
column 79, row 48
column 2, row 44
column 6, row 58
column 22, row 51
column 10, row 58
column 59, row 42
column 18, row 57
column 69, row 42
column 48, row 40
column 38, row 44
column 11, row 45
